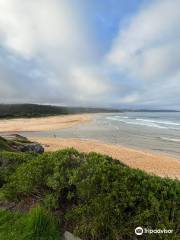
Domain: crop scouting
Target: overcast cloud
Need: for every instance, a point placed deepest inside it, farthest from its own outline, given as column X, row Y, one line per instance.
column 50, row 53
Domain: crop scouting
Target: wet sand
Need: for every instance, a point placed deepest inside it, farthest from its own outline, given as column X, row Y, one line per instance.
column 43, row 123
column 154, row 163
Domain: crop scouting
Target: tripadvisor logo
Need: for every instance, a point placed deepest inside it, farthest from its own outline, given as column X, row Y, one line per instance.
column 139, row 231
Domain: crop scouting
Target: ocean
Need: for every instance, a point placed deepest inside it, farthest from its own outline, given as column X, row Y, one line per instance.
column 155, row 131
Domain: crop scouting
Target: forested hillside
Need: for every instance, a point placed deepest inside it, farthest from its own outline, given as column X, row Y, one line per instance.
column 35, row 110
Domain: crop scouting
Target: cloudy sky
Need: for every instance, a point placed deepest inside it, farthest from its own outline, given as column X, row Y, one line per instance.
column 91, row 53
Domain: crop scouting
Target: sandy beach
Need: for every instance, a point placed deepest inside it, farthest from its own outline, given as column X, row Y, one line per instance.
column 151, row 162
column 158, row 164
column 43, row 123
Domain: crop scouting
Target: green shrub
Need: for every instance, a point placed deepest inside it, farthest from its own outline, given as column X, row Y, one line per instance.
column 9, row 161
column 11, row 225
column 114, row 200
column 68, row 161
column 29, row 178
column 96, row 196
column 44, row 174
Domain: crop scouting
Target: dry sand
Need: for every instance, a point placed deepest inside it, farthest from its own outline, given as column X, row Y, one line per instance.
column 158, row 164
column 43, row 123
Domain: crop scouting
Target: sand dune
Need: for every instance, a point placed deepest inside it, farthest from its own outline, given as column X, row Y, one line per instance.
column 158, row 164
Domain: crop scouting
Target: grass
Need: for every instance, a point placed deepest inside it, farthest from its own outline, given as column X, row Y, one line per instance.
column 38, row 224
column 5, row 145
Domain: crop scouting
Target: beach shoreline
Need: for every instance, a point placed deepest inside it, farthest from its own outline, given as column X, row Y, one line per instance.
column 39, row 124
column 160, row 164
column 153, row 163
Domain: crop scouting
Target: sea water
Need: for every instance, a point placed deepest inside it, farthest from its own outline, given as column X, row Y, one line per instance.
column 156, row 131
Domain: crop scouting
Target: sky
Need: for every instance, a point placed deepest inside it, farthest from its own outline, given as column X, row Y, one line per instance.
column 104, row 53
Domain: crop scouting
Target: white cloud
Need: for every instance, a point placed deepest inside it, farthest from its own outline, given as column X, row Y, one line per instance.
column 150, row 38
column 38, row 26
column 147, row 48
column 50, row 55
column 57, row 37
column 89, row 83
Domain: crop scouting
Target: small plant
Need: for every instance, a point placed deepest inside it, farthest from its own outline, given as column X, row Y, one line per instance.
column 36, row 225
column 41, row 225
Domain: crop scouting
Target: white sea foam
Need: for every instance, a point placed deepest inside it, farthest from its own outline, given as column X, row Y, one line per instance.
column 159, row 122
column 146, row 122
column 170, row 139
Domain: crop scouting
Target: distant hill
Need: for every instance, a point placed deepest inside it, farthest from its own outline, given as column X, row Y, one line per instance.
column 35, row 110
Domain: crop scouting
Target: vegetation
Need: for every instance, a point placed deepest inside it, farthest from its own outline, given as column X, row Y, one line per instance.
column 5, row 145
column 35, row 110
column 91, row 195
column 9, row 161
column 37, row 224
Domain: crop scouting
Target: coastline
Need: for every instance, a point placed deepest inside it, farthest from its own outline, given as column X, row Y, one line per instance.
column 160, row 164
column 157, row 164
column 43, row 123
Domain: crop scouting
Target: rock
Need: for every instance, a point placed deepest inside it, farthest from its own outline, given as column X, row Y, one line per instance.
column 70, row 236
column 22, row 144
column 32, row 147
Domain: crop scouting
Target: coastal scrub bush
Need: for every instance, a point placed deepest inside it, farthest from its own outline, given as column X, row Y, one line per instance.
column 95, row 196
column 47, row 173
column 114, row 200
column 29, row 178
column 68, row 162
column 9, row 161
column 11, row 225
